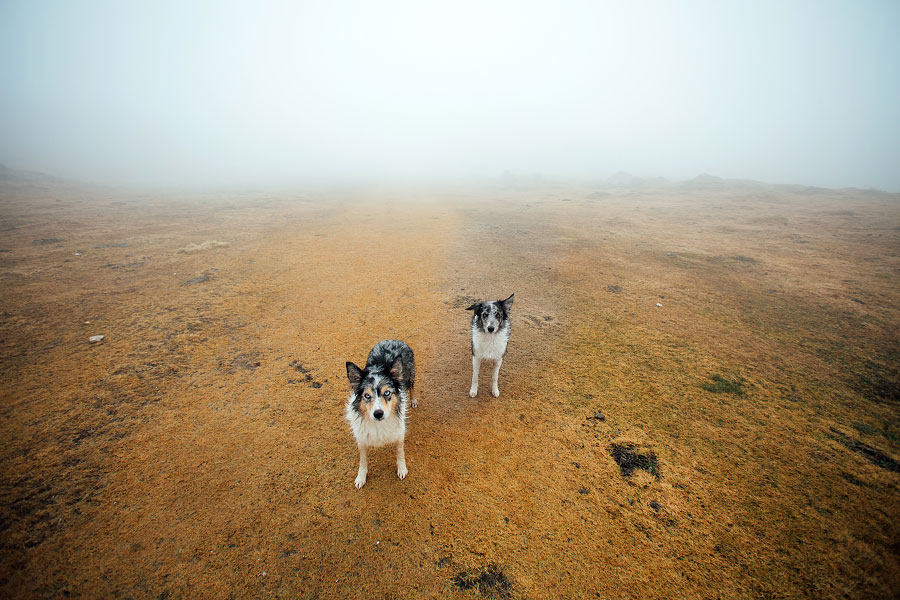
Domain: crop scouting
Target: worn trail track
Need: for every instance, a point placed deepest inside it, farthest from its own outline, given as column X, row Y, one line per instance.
column 200, row 449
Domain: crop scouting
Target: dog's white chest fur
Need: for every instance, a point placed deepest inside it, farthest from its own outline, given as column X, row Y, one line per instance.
column 374, row 434
column 490, row 346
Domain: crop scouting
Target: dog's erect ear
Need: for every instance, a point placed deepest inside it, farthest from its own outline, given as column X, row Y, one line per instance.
column 354, row 374
column 507, row 304
column 397, row 368
column 474, row 306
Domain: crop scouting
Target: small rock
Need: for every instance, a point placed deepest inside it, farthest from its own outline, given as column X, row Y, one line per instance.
column 582, row 490
column 96, row 338
column 196, row 280
column 658, row 305
column 599, row 416
column 655, row 505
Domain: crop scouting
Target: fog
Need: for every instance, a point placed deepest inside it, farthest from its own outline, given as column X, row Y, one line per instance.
column 274, row 93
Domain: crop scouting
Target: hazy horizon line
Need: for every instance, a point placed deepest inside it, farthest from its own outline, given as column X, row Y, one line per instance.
column 507, row 178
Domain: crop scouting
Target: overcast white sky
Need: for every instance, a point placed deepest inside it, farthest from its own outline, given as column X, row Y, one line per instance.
column 224, row 93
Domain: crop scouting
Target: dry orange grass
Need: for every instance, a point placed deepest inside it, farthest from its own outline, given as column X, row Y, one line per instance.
column 200, row 449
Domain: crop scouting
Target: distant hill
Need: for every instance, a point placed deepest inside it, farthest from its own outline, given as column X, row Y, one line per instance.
column 623, row 179
column 706, row 178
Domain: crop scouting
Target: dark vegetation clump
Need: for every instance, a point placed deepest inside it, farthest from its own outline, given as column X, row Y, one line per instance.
column 721, row 385
column 490, row 581
column 873, row 455
column 864, row 428
column 298, row 366
column 877, row 387
column 307, row 375
column 246, row 360
column 628, row 458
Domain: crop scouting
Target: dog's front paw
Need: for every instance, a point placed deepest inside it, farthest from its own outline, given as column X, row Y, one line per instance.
column 473, row 392
column 495, row 392
column 402, row 471
column 360, row 480
column 414, row 403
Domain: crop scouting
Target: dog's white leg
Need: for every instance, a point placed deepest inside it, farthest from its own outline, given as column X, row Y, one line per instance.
column 495, row 391
column 401, row 461
column 363, row 468
column 476, row 364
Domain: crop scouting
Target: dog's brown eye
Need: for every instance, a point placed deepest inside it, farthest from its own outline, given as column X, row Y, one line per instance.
column 387, row 393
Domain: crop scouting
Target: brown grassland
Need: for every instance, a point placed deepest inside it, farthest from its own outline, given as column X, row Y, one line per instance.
column 200, row 449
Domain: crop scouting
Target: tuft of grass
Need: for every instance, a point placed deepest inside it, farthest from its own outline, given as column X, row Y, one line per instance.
column 864, row 428
column 489, row 580
column 721, row 385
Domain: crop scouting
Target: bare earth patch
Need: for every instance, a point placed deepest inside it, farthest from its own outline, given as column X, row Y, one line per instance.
column 201, row 247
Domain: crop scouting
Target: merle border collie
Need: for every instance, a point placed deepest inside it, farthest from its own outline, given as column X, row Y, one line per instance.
column 376, row 408
column 490, row 335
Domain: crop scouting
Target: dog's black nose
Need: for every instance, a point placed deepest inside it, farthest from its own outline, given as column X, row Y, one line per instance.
column 490, row 330
column 378, row 414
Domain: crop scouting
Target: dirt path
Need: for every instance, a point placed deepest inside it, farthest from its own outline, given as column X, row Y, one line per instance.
column 200, row 449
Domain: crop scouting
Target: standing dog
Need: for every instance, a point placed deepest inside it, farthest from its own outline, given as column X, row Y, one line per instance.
column 376, row 408
column 490, row 334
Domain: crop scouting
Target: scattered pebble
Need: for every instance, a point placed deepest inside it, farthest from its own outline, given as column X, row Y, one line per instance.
column 599, row 416
column 655, row 505
column 96, row 338
column 658, row 305
column 78, row 254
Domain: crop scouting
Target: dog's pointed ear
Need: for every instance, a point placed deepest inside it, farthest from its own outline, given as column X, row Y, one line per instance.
column 354, row 374
column 474, row 306
column 397, row 369
column 507, row 304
